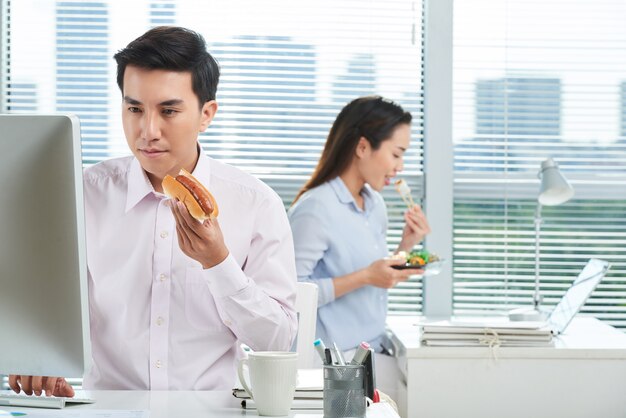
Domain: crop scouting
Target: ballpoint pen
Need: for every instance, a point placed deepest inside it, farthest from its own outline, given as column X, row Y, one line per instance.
column 361, row 352
column 339, row 355
column 320, row 348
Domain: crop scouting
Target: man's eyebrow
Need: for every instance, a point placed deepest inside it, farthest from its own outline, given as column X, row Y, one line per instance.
column 131, row 101
column 172, row 102
column 401, row 148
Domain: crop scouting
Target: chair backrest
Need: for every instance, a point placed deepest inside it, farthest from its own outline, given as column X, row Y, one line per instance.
column 306, row 307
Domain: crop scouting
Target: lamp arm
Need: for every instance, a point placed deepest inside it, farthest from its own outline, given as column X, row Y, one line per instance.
column 536, row 295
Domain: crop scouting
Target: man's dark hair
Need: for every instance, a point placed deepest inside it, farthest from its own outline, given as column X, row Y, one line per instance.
column 175, row 49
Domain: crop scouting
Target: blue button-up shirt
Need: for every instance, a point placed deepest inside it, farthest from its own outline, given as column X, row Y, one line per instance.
column 334, row 237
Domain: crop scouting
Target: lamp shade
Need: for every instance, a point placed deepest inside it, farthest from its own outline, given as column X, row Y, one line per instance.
column 555, row 189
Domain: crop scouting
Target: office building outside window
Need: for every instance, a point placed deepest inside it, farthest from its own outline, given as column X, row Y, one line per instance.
column 288, row 67
column 530, row 83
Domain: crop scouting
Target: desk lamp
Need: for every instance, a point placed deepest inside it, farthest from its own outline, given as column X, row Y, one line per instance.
column 555, row 190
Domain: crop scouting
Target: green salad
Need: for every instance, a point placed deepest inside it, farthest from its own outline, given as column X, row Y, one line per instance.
column 421, row 257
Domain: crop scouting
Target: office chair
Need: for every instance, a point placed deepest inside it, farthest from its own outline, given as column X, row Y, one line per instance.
column 306, row 308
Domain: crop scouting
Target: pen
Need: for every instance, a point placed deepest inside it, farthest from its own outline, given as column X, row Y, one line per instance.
column 361, row 352
column 329, row 357
column 339, row 355
column 321, row 348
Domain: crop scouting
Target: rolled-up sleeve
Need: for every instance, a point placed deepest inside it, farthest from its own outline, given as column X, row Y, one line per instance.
column 257, row 301
column 311, row 242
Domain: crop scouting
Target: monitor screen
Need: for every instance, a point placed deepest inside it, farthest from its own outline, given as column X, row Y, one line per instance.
column 44, row 320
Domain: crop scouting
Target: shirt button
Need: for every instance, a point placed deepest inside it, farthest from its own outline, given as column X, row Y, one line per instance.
column 158, row 364
column 164, row 234
column 227, row 323
column 162, row 277
column 159, row 321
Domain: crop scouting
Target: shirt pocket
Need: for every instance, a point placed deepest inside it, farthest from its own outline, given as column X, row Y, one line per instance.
column 200, row 308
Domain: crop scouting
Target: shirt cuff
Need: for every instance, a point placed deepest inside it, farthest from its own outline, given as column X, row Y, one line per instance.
column 226, row 278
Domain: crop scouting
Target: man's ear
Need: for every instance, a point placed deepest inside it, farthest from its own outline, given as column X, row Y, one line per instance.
column 209, row 109
column 362, row 147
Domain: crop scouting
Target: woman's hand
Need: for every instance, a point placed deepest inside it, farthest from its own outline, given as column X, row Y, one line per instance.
column 415, row 229
column 381, row 274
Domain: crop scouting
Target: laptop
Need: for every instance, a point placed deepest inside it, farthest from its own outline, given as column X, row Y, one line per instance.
column 556, row 323
column 576, row 296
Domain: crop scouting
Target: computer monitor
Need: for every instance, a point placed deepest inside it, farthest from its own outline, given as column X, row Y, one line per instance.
column 44, row 322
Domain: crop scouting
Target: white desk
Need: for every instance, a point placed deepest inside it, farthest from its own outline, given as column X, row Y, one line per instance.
column 189, row 404
column 584, row 376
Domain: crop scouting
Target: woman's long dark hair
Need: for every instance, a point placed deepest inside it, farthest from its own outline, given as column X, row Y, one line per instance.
column 371, row 117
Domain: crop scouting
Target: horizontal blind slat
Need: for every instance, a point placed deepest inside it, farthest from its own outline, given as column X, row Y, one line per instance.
column 521, row 96
column 286, row 74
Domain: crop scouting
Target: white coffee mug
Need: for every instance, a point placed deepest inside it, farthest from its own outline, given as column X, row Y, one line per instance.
column 273, row 377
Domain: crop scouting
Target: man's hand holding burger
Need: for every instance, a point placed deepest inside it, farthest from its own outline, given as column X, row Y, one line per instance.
column 195, row 211
column 204, row 241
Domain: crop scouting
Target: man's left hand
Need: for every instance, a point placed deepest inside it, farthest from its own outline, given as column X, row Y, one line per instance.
column 202, row 241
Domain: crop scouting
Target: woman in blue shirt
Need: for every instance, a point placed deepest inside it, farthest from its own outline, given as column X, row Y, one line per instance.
column 339, row 222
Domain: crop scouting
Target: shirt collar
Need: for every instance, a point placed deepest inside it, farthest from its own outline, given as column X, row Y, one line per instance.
column 139, row 185
column 344, row 195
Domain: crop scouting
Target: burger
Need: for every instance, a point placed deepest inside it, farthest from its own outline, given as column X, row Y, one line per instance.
column 197, row 199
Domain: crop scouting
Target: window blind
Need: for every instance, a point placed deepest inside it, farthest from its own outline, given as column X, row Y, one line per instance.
column 288, row 67
column 532, row 80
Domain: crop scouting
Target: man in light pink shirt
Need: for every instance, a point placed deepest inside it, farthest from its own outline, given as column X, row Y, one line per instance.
column 170, row 298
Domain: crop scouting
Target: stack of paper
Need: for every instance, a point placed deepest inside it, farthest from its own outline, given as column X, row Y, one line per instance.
column 298, row 404
column 309, row 391
column 477, row 334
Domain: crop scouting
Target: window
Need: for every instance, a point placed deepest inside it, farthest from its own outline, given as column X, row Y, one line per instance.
column 538, row 79
column 288, row 67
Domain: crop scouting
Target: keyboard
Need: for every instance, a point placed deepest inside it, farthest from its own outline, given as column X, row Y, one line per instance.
column 8, row 398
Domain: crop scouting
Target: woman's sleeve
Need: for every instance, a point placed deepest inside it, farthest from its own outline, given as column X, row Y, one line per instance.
column 311, row 241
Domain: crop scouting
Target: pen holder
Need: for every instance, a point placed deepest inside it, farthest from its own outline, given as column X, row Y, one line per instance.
column 344, row 391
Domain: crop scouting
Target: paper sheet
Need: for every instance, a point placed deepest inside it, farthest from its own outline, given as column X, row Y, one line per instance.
column 78, row 413
column 377, row 410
